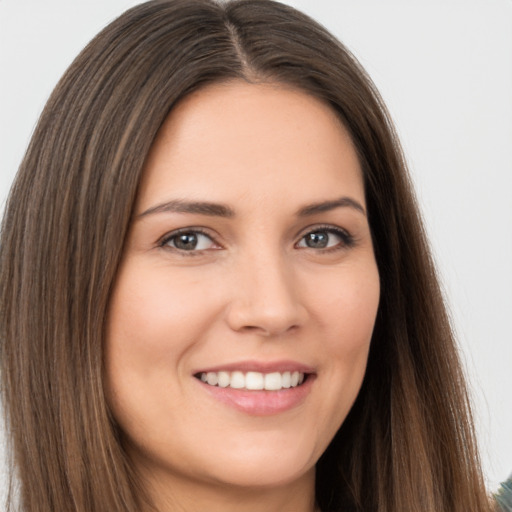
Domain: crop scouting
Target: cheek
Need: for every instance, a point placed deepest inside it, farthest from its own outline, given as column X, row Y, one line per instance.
column 347, row 308
column 153, row 321
column 347, row 317
column 150, row 308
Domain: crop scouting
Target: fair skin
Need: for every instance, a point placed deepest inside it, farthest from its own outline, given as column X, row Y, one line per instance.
column 271, row 276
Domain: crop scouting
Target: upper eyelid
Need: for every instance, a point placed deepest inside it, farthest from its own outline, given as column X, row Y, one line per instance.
column 207, row 232
column 348, row 240
column 322, row 227
column 194, row 229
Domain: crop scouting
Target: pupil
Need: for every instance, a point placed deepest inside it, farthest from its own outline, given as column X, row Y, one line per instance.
column 317, row 240
column 186, row 241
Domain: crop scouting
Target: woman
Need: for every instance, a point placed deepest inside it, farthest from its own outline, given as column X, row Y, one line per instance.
column 214, row 202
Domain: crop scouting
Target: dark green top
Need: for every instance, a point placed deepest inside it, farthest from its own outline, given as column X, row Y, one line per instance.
column 504, row 495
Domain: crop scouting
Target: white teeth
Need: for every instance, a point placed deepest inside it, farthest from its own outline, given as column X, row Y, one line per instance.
column 273, row 381
column 224, row 379
column 212, row 379
column 253, row 381
column 237, row 380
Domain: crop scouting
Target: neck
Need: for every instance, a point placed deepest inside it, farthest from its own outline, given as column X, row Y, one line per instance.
column 182, row 496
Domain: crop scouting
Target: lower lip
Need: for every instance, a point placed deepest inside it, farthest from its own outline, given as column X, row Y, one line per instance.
column 261, row 403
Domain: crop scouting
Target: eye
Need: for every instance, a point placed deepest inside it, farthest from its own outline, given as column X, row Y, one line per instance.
column 189, row 240
column 326, row 238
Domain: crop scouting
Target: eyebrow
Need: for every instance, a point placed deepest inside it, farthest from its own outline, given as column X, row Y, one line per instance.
column 325, row 206
column 222, row 210
column 198, row 207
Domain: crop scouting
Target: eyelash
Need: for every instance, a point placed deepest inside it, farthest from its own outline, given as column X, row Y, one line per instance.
column 164, row 242
column 347, row 240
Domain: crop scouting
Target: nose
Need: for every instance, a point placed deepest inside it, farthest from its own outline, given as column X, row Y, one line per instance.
column 266, row 300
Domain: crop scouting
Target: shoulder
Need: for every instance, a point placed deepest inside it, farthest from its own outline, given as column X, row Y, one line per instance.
column 504, row 496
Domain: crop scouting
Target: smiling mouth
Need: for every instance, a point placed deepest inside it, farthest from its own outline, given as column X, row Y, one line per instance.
column 253, row 381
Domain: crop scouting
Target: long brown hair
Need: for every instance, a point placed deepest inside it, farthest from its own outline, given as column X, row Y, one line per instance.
column 408, row 443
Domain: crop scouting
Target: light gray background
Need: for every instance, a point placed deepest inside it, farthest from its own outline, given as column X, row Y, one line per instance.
column 444, row 68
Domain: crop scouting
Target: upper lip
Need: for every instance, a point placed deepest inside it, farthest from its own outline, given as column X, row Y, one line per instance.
column 259, row 366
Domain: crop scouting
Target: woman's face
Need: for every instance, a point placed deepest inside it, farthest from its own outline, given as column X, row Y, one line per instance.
column 249, row 264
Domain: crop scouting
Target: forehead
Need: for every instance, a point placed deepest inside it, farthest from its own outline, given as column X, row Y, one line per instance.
column 238, row 139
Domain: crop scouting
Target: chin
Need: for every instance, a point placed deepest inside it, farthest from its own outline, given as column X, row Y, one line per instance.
column 265, row 465
column 262, row 476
